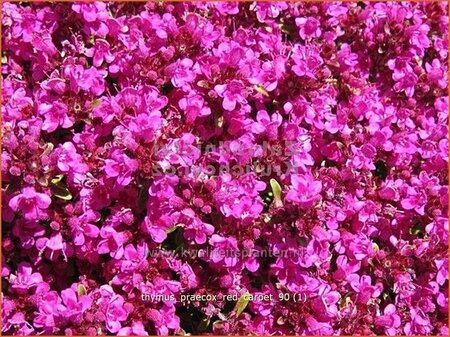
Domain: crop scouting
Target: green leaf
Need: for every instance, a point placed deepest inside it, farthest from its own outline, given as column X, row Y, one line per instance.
column 416, row 230
column 219, row 122
column 260, row 88
column 57, row 179
column 171, row 230
column 218, row 325
column 61, row 192
column 95, row 103
column 285, row 29
column 203, row 84
column 302, row 241
column 48, row 148
column 241, row 304
column 281, row 320
column 204, row 323
column 43, row 181
column 345, row 300
column 81, row 290
column 276, row 190
column 375, row 247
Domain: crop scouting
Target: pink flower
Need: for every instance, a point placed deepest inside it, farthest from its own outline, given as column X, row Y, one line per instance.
column 415, row 200
column 68, row 160
column 73, row 305
column 195, row 229
column 436, row 74
column 325, row 304
column 91, row 12
column 121, row 167
column 232, row 93
column 403, row 75
column 266, row 124
column 146, row 125
column 305, row 191
column 181, row 72
column 224, row 250
column 89, row 80
column 309, row 27
column 157, row 233
column 48, row 311
column 307, row 60
column 30, row 203
column 53, row 244
column 227, row 7
column 442, row 271
column 55, row 116
column 290, row 148
column 363, row 286
column 363, row 157
column 164, row 319
column 114, row 307
column 390, row 321
column 112, row 242
column 100, row 52
column 25, row 278
column 194, row 106
column 136, row 329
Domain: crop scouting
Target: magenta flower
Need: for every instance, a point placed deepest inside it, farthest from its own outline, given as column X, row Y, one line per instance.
column 89, row 80
column 227, row 7
column 72, row 305
column 232, row 93
column 30, row 204
column 309, row 27
column 435, row 74
column 157, row 233
column 158, row 151
column 194, row 106
column 181, row 72
column 25, row 278
column 145, row 126
column 224, row 250
column 307, row 60
column 164, row 319
column 390, row 320
column 305, row 191
column 121, row 167
column 100, row 52
column 53, row 244
column 363, row 287
column 91, row 12
column 403, row 75
column 112, row 242
column 55, row 116
column 195, row 229
column 114, row 308
column 136, row 329
column 442, row 274
column 68, row 160
column 266, row 124
column 415, row 200
column 48, row 311
column 326, row 303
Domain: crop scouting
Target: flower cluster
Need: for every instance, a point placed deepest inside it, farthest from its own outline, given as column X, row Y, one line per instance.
column 99, row 96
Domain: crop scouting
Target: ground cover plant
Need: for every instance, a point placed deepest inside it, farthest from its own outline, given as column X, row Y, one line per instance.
column 158, row 157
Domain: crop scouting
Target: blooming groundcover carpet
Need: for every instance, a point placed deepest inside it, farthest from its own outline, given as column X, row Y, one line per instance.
column 269, row 168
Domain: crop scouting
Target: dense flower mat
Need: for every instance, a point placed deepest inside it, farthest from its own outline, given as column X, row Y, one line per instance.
column 294, row 150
